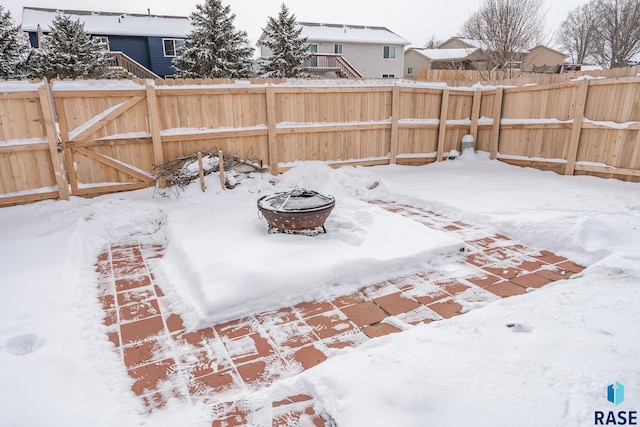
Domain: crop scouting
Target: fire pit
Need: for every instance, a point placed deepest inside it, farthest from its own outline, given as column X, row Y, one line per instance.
column 297, row 211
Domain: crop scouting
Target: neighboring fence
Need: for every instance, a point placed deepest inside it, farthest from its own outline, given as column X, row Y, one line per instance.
column 517, row 78
column 112, row 133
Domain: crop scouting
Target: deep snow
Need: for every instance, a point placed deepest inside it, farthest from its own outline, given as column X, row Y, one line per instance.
column 573, row 338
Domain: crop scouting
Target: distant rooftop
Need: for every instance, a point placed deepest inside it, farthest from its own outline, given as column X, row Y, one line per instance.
column 320, row 32
column 446, row 54
column 109, row 23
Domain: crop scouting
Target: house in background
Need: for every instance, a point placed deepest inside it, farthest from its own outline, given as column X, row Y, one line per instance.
column 543, row 59
column 480, row 62
column 540, row 59
column 143, row 44
column 350, row 50
column 416, row 59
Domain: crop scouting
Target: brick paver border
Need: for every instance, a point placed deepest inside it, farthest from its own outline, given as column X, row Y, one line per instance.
column 165, row 360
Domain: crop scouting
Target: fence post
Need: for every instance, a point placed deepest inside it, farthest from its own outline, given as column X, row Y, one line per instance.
column 442, row 131
column 221, row 170
column 475, row 114
column 154, row 126
column 55, row 144
column 395, row 113
column 203, row 187
column 272, row 136
column 578, row 118
column 495, row 129
column 69, row 164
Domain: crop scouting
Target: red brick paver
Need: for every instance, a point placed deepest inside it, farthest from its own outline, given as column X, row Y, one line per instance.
column 165, row 360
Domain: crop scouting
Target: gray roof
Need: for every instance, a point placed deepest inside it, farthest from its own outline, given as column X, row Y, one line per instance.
column 345, row 33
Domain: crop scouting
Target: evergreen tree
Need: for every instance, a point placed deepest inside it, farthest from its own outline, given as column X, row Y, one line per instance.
column 288, row 51
column 14, row 48
column 69, row 52
column 214, row 49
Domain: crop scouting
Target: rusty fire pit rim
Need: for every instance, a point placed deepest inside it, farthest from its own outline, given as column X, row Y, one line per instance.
column 331, row 202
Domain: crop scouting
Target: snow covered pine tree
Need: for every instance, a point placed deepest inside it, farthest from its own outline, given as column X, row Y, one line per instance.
column 214, row 49
column 69, row 52
column 289, row 51
column 14, row 48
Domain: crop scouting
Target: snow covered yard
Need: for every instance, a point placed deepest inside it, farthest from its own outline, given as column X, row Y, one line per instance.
column 542, row 358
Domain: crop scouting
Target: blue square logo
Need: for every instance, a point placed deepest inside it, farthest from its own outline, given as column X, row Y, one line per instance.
column 615, row 393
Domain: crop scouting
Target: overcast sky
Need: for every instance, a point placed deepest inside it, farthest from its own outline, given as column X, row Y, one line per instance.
column 414, row 20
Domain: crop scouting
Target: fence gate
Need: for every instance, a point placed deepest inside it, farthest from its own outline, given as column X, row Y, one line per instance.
column 106, row 140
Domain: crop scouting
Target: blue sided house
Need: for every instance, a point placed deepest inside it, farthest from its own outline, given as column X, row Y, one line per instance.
column 140, row 43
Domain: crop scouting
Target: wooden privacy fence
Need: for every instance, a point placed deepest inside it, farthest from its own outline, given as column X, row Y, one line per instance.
column 88, row 138
column 518, row 78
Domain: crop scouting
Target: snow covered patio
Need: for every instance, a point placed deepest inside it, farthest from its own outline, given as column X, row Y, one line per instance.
column 134, row 309
column 209, row 364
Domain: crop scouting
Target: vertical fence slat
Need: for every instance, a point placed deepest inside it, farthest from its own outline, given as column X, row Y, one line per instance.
column 442, row 130
column 63, row 123
column 154, row 125
column 57, row 161
column 395, row 112
column 578, row 118
column 495, row 129
column 475, row 114
column 635, row 156
column 272, row 136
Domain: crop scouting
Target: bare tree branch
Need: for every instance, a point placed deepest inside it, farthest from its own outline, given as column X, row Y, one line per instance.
column 578, row 33
column 507, row 29
column 617, row 31
column 432, row 43
column 182, row 171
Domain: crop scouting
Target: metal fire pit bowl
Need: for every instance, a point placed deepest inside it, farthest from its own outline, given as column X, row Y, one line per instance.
column 297, row 211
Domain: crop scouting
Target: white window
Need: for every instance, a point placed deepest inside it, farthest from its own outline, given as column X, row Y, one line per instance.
column 337, row 48
column 172, row 47
column 409, row 70
column 389, row 52
column 103, row 40
column 388, row 76
column 313, row 61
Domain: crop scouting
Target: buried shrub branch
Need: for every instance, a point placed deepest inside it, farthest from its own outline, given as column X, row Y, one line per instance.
column 180, row 172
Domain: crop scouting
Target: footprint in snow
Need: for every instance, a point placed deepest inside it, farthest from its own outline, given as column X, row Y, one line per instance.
column 21, row 345
column 519, row 327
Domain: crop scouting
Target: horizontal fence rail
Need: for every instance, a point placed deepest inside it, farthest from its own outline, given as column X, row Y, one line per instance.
column 68, row 138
